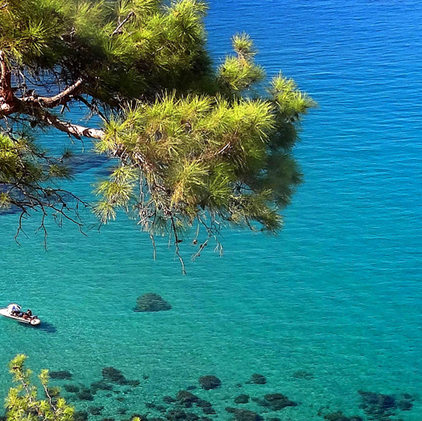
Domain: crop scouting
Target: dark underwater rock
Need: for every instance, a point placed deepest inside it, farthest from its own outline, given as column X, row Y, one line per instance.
column 208, row 410
column 168, row 399
column 85, row 395
column 244, row 415
column 176, row 415
column 302, row 374
column 257, row 379
column 190, row 416
column 275, row 401
column 191, row 387
column 206, row 406
column 111, row 374
column 132, row 383
column 404, row 402
column 338, row 416
column 80, row 416
column 151, row 302
column 241, row 399
column 186, row 398
column 209, row 382
column 60, row 375
column 100, row 385
column 71, row 388
column 378, row 399
column 378, row 405
column 202, row 403
column 108, row 419
column 151, row 405
column 95, row 410
column 405, row 405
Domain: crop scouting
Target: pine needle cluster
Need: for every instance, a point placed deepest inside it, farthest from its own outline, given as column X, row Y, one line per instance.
column 193, row 143
column 25, row 402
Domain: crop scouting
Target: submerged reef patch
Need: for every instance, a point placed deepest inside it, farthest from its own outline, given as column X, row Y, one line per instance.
column 241, row 399
column 151, row 302
column 85, row 395
column 71, row 388
column 275, row 401
column 257, row 379
column 338, row 416
column 244, row 414
column 113, row 375
column 184, row 405
column 60, row 375
column 381, row 407
column 209, row 382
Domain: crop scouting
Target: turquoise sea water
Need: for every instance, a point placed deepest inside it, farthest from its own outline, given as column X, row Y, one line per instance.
column 337, row 294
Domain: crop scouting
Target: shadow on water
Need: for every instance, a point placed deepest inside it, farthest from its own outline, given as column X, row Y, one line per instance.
column 82, row 162
column 44, row 326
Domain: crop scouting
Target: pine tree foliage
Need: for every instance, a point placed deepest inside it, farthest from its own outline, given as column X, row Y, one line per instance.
column 194, row 144
column 25, row 401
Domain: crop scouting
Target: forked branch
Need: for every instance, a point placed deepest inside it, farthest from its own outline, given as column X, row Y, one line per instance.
column 72, row 129
column 61, row 98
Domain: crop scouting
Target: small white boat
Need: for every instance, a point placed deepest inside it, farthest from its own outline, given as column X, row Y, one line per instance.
column 14, row 311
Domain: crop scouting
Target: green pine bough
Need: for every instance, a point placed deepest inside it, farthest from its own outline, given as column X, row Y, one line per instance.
column 192, row 144
column 26, row 402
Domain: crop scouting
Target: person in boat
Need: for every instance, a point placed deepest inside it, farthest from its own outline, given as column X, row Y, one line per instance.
column 15, row 310
column 17, row 313
column 27, row 314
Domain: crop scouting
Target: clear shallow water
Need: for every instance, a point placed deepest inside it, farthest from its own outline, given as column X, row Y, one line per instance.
column 337, row 294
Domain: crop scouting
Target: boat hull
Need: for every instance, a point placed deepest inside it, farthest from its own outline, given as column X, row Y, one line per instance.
column 33, row 322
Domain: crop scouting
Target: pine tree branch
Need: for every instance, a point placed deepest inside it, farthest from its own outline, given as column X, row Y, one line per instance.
column 8, row 102
column 61, row 98
column 5, row 77
column 34, row 106
column 69, row 128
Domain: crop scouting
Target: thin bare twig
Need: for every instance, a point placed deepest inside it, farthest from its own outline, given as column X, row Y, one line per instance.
column 154, row 249
column 50, row 399
column 93, row 107
column 118, row 29
column 176, row 245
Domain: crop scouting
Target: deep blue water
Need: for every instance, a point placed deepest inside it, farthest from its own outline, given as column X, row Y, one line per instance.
column 337, row 294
